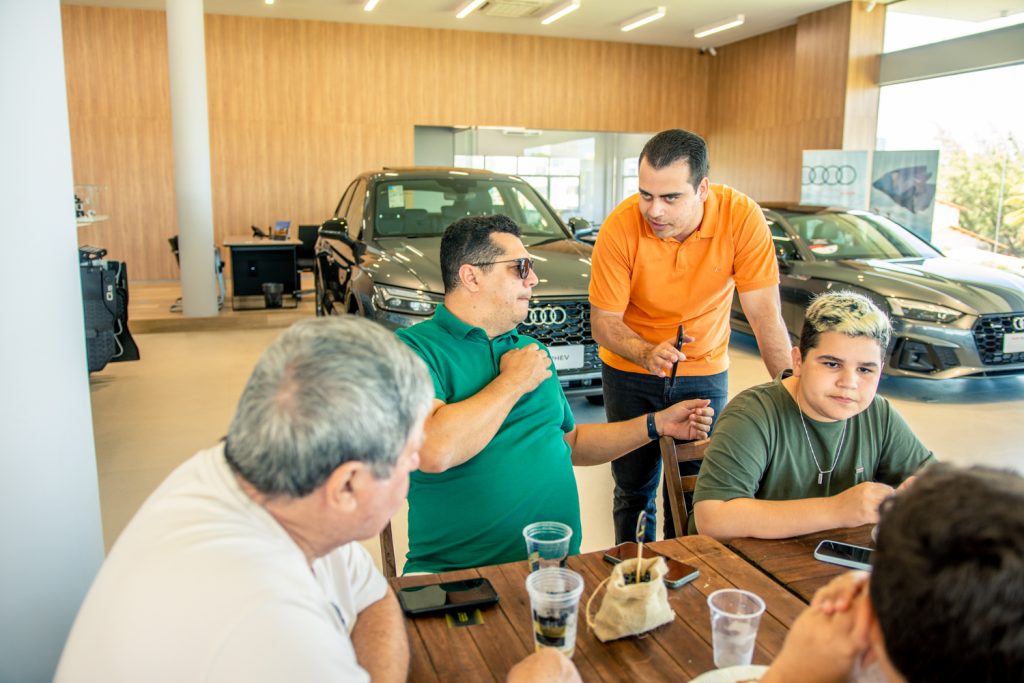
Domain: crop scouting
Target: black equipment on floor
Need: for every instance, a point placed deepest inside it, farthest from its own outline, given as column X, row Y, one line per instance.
column 105, row 304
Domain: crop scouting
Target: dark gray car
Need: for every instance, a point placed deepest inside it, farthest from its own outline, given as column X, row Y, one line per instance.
column 950, row 319
column 379, row 257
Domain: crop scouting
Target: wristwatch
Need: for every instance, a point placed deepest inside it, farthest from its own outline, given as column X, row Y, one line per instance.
column 652, row 429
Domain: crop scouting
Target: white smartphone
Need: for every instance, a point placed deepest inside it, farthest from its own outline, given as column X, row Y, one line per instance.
column 844, row 554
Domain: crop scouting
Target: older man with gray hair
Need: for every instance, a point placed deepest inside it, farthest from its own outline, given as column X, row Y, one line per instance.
column 243, row 564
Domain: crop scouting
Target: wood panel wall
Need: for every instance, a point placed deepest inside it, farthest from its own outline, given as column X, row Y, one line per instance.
column 298, row 107
column 809, row 86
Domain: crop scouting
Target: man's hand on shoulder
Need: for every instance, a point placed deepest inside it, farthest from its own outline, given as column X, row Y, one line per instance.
column 546, row 666
column 526, row 367
column 859, row 505
column 687, row 420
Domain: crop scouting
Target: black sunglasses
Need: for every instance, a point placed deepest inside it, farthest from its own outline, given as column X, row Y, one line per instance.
column 524, row 265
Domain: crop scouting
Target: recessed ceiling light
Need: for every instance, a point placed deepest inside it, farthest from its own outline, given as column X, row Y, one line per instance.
column 468, row 7
column 269, row 2
column 560, row 11
column 723, row 25
column 645, row 18
column 370, row 4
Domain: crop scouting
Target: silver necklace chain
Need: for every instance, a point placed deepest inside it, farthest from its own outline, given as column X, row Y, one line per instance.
column 839, row 448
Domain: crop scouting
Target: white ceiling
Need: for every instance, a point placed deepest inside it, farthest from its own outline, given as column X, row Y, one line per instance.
column 595, row 20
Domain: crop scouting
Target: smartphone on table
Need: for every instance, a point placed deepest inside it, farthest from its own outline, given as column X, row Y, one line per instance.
column 443, row 597
column 679, row 573
column 844, row 554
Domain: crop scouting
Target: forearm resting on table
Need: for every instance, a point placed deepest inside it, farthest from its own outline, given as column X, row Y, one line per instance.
column 752, row 518
column 611, row 332
column 456, row 432
column 380, row 641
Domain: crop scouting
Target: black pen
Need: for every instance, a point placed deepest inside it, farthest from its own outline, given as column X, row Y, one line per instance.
column 679, row 347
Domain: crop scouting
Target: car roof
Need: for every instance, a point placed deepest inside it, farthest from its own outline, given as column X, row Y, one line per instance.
column 434, row 172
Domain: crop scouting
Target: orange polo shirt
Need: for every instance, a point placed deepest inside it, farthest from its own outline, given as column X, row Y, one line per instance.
column 657, row 284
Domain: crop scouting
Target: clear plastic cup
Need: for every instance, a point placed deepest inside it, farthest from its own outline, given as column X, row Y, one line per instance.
column 735, row 617
column 554, row 601
column 547, row 544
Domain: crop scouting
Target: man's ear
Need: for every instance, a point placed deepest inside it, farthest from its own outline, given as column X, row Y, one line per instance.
column 702, row 189
column 797, row 359
column 342, row 485
column 469, row 276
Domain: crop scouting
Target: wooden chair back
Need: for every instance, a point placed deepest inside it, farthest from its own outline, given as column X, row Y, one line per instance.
column 387, row 552
column 672, row 454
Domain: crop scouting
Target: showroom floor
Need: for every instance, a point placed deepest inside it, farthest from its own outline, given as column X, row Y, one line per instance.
column 151, row 415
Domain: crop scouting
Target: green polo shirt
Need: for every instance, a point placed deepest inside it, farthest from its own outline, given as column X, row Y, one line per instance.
column 759, row 449
column 473, row 514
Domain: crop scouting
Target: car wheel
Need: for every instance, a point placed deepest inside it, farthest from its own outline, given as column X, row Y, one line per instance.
column 595, row 399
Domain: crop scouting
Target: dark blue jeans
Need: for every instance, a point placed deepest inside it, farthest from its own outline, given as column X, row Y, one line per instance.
column 636, row 474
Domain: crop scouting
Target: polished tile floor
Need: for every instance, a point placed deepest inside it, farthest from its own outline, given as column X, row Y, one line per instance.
column 151, row 415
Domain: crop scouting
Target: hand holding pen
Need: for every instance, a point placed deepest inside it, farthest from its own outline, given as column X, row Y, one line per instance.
column 679, row 347
column 663, row 358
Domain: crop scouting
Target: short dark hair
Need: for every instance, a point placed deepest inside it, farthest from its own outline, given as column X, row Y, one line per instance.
column 670, row 146
column 948, row 578
column 468, row 240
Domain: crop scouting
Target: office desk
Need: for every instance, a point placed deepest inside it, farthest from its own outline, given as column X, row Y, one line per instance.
column 790, row 561
column 255, row 261
column 678, row 651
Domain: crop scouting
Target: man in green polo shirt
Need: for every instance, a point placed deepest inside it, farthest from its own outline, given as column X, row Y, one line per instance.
column 501, row 441
column 816, row 449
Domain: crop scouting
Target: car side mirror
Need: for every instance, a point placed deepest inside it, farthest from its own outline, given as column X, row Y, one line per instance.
column 337, row 229
column 578, row 225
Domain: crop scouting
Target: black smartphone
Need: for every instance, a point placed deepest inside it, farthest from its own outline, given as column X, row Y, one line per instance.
column 448, row 596
column 844, row 554
column 679, row 573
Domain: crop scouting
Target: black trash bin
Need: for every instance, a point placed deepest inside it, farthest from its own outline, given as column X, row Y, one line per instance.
column 272, row 292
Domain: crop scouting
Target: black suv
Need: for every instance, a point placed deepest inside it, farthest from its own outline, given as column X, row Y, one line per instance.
column 379, row 257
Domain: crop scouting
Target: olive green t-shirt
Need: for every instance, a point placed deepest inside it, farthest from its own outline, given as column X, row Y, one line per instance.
column 759, row 450
column 473, row 514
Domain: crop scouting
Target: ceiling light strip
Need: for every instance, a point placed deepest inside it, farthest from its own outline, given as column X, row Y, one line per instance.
column 467, row 8
column 560, row 11
column 645, row 18
column 718, row 26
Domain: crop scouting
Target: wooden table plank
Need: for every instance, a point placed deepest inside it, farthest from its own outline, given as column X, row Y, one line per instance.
column 790, row 561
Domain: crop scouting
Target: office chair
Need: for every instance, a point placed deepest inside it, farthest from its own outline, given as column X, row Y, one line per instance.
column 672, row 454
column 218, row 268
column 305, row 254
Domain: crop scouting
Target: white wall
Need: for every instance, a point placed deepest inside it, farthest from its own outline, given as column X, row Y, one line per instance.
column 50, row 532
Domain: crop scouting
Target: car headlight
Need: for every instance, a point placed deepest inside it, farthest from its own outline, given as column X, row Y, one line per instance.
column 923, row 311
column 401, row 300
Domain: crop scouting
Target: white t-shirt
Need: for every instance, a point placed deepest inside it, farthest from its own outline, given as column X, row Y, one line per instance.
column 204, row 585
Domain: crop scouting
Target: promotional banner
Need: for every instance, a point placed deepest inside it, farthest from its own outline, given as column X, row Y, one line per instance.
column 903, row 188
column 832, row 177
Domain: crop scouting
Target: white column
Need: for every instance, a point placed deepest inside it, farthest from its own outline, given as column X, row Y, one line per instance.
column 50, row 533
column 186, row 57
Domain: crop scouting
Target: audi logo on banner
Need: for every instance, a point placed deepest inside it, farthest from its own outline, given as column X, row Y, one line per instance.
column 548, row 315
column 1018, row 323
column 829, row 175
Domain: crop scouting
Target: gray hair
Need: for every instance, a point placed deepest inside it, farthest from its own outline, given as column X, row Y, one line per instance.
column 326, row 392
column 848, row 312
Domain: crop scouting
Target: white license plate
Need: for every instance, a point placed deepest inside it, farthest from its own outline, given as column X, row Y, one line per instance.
column 1013, row 342
column 567, row 357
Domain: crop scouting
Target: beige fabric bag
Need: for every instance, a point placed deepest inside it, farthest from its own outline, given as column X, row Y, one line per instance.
column 634, row 608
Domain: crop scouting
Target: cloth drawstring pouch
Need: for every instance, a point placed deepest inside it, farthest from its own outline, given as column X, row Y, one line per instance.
column 630, row 609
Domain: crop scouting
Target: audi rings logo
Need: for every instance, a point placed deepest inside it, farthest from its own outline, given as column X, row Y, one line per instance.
column 549, row 315
column 829, row 175
column 1018, row 323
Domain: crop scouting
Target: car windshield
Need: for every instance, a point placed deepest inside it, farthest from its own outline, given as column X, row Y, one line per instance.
column 421, row 207
column 858, row 235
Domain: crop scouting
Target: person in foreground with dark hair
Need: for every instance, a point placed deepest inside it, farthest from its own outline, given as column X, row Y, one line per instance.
column 817, row 448
column 944, row 600
column 501, row 439
column 668, row 259
column 243, row 565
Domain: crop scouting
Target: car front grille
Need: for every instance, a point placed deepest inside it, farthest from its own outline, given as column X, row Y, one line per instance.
column 988, row 335
column 561, row 322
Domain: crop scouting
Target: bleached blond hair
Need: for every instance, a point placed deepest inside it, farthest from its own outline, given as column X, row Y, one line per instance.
column 847, row 312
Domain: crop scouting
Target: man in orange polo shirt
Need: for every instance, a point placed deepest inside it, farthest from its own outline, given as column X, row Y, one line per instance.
column 669, row 256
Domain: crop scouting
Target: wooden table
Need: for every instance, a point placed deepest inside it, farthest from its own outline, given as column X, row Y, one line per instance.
column 790, row 561
column 678, row 651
